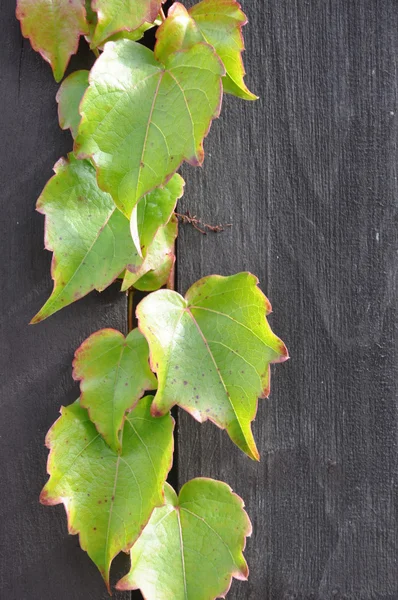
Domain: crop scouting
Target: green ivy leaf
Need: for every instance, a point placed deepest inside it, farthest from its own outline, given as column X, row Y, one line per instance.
column 108, row 497
column 202, row 534
column 211, row 352
column 141, row 119
column 178, row 32
column 221, row 22
column 156, row 267
column 69, row 97
column 53, row 28
column 114, row 374
column 122, row 15
column 89, row 237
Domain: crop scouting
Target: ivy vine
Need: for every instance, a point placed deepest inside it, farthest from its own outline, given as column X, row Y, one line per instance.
column 110, row 214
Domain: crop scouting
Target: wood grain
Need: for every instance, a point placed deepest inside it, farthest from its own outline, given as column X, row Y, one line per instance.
column 307, row 176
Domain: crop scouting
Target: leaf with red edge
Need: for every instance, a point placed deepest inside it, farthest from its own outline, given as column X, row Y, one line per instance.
column 108, row 496
column 141, row 118
column 114, row 16
column 212, row 352
column 221, row 22
column 53, row 28
column 90, row 239
column 202, row 534
column 114, row 374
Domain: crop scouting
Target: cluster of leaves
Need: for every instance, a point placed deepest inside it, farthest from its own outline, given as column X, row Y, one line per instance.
column 110, row 214
column 111, row 451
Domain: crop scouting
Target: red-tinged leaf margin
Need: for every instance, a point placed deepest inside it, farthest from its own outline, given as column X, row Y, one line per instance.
column 46, row 500
column 246, row 94
column 195, row 161
column 79, row 356
column 122, row 584
column 44, row 44
column 283, row 357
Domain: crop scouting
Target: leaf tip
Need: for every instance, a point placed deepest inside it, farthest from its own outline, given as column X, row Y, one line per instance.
column 36, row 319
column 45, row 498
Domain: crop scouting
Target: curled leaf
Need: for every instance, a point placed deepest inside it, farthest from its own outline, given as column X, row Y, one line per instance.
column 178, row 32
column 108, row 496
column 114, row 374
column 202, row 533
column 156, row 267
column 212, row 352
column 53, row 28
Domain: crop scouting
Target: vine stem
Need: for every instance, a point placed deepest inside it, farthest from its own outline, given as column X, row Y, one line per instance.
column 130, row 310
column 171, row 282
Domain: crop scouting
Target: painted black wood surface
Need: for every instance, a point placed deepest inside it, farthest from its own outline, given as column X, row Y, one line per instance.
column 307, row 176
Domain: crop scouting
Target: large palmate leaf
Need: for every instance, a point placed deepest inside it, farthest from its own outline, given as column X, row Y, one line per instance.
column 141, row 119
column 69, row 97
column 211, row 351
column 114, row 373
column 156, row 267
column 89, row 237
column 53, row 28
column 114, row 16
column 108, row 497
column 202, row 534
column 221, row 22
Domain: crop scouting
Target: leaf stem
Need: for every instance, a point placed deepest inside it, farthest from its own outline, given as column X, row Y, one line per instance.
column 171, row 282
column 162, row 15
column 130, row 310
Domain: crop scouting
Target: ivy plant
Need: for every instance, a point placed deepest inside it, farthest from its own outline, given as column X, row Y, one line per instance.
column 110, row 215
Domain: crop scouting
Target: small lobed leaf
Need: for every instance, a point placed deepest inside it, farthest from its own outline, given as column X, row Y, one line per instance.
column 114, row 374
column 90, row 239
column 141, row 118
column 212, row 352
column 69, row 97
column 178, row 32
column 108, row 496
column 221, row 22
column 53, row 28
column 114, row 16
column 201, row 534
column 158, row 263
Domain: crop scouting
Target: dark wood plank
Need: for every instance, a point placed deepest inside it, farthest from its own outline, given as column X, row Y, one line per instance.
column 39, row 561
column 307, row 176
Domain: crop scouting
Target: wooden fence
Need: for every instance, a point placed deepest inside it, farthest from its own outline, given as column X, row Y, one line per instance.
column 307, row 176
